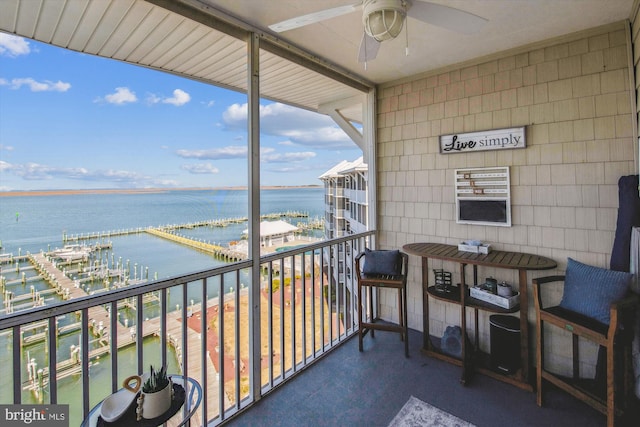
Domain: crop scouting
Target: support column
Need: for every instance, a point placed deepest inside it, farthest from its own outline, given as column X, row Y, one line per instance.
column 369, row 153
column 253, row 132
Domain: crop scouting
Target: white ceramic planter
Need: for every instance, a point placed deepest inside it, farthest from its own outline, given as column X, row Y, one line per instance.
column 150, row 405
column 155, row 404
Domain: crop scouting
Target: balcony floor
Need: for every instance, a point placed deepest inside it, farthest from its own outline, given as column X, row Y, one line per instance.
column 349, row 388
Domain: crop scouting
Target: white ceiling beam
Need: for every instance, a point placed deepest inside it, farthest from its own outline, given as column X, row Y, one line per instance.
column 332, row 109
column 339, row 104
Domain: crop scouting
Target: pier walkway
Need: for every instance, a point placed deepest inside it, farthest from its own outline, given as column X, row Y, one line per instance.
column 68, row 238
column 216, row 250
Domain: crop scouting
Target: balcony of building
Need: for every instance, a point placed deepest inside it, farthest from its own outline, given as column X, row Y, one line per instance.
column 571, row 84
column 300, row 343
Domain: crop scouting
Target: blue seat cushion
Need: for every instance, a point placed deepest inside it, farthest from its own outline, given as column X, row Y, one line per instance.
column 590, row 290
column 383, row 262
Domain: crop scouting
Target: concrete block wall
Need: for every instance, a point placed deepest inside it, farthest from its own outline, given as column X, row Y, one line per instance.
column 576, row 98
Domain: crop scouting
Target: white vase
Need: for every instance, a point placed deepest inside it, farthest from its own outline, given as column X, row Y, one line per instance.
column 152, row 405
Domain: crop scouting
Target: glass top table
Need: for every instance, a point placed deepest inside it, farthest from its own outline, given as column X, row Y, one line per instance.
column 192, row 399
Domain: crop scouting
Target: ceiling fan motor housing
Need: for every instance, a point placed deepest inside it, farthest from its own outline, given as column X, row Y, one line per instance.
column 383, row 19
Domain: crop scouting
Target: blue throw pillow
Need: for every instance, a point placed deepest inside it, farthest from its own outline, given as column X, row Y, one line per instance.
column 387, row 263
column 590, row 290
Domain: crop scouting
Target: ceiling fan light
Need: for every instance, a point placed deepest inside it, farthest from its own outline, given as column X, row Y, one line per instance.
column 383, row 19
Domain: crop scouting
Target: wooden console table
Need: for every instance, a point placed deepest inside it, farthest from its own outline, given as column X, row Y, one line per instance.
column 497, row 259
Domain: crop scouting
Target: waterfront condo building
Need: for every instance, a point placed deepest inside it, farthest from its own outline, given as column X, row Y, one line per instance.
column 346, row 213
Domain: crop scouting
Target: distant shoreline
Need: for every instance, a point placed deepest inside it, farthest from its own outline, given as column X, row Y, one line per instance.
column 141, row 190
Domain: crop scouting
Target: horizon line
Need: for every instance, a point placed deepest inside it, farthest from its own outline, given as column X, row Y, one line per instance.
column 62, row 192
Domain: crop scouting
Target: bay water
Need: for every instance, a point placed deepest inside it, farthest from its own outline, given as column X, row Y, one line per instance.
column 31, row 224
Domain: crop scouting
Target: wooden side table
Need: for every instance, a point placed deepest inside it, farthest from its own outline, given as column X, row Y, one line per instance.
column 497, row 259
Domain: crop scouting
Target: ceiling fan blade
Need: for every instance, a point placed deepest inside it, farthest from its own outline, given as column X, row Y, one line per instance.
column 312, row 18
column 368, row 48
column 446, row 17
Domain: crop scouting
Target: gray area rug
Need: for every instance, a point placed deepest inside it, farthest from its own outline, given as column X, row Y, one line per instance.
column 416, row 413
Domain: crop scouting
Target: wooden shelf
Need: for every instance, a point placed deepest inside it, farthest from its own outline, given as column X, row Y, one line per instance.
column 454, row 297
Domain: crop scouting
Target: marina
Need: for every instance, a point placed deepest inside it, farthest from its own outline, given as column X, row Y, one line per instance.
column 57, row 266
column 88, row 262
column 68, row 273
column 37, row 379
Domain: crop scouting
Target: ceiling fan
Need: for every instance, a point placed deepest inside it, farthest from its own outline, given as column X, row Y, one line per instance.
column 384, row 19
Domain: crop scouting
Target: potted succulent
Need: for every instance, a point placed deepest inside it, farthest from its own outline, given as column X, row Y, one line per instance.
column 155, row 398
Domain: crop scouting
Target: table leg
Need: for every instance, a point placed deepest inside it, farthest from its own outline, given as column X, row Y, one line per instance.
column 475, row 310
column 426, row 339
column 463, row 324
column 524, row 325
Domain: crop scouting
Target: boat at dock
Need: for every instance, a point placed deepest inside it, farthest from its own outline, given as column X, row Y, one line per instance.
column 76, row 252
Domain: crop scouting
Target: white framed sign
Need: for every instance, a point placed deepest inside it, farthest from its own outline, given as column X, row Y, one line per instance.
column 496, row 139
column 483, row 196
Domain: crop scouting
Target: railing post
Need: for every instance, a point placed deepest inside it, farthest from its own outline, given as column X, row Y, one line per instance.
column 204, row 351
column 84, row 350
column 53, row 360
column 17, row 372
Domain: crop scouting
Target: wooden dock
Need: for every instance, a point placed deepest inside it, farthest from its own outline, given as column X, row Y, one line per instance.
column 223, row 222
column 216, row 250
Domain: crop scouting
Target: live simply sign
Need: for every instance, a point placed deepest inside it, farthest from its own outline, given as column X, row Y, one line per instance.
column 497, row 139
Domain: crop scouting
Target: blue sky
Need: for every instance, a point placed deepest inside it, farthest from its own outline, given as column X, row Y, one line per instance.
column 75, row 121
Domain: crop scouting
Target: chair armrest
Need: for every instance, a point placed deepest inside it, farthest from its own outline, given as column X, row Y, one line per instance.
column 626, row 303
column 548, row 279
column 537, row 291
column 622, row 313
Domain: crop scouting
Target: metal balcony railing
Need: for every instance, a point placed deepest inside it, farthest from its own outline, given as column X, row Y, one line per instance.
column 199, row 325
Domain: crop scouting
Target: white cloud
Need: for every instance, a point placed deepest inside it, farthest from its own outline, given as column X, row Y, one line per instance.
column 13, row 46
column 236, row 115
column 4, row 166
column 290, row 169
column 319, row 137
column 286, row 157
column 153, row 99
column 302, row 127
column 122, row 178
column 121, row 96
column 6, row 147
column 267, row 155
column 229, row 152
column 36, row 86
column 201, row 168
column 178, row 99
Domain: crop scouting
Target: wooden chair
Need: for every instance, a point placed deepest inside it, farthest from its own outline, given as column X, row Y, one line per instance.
column 612, row 337
column 371, row 281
